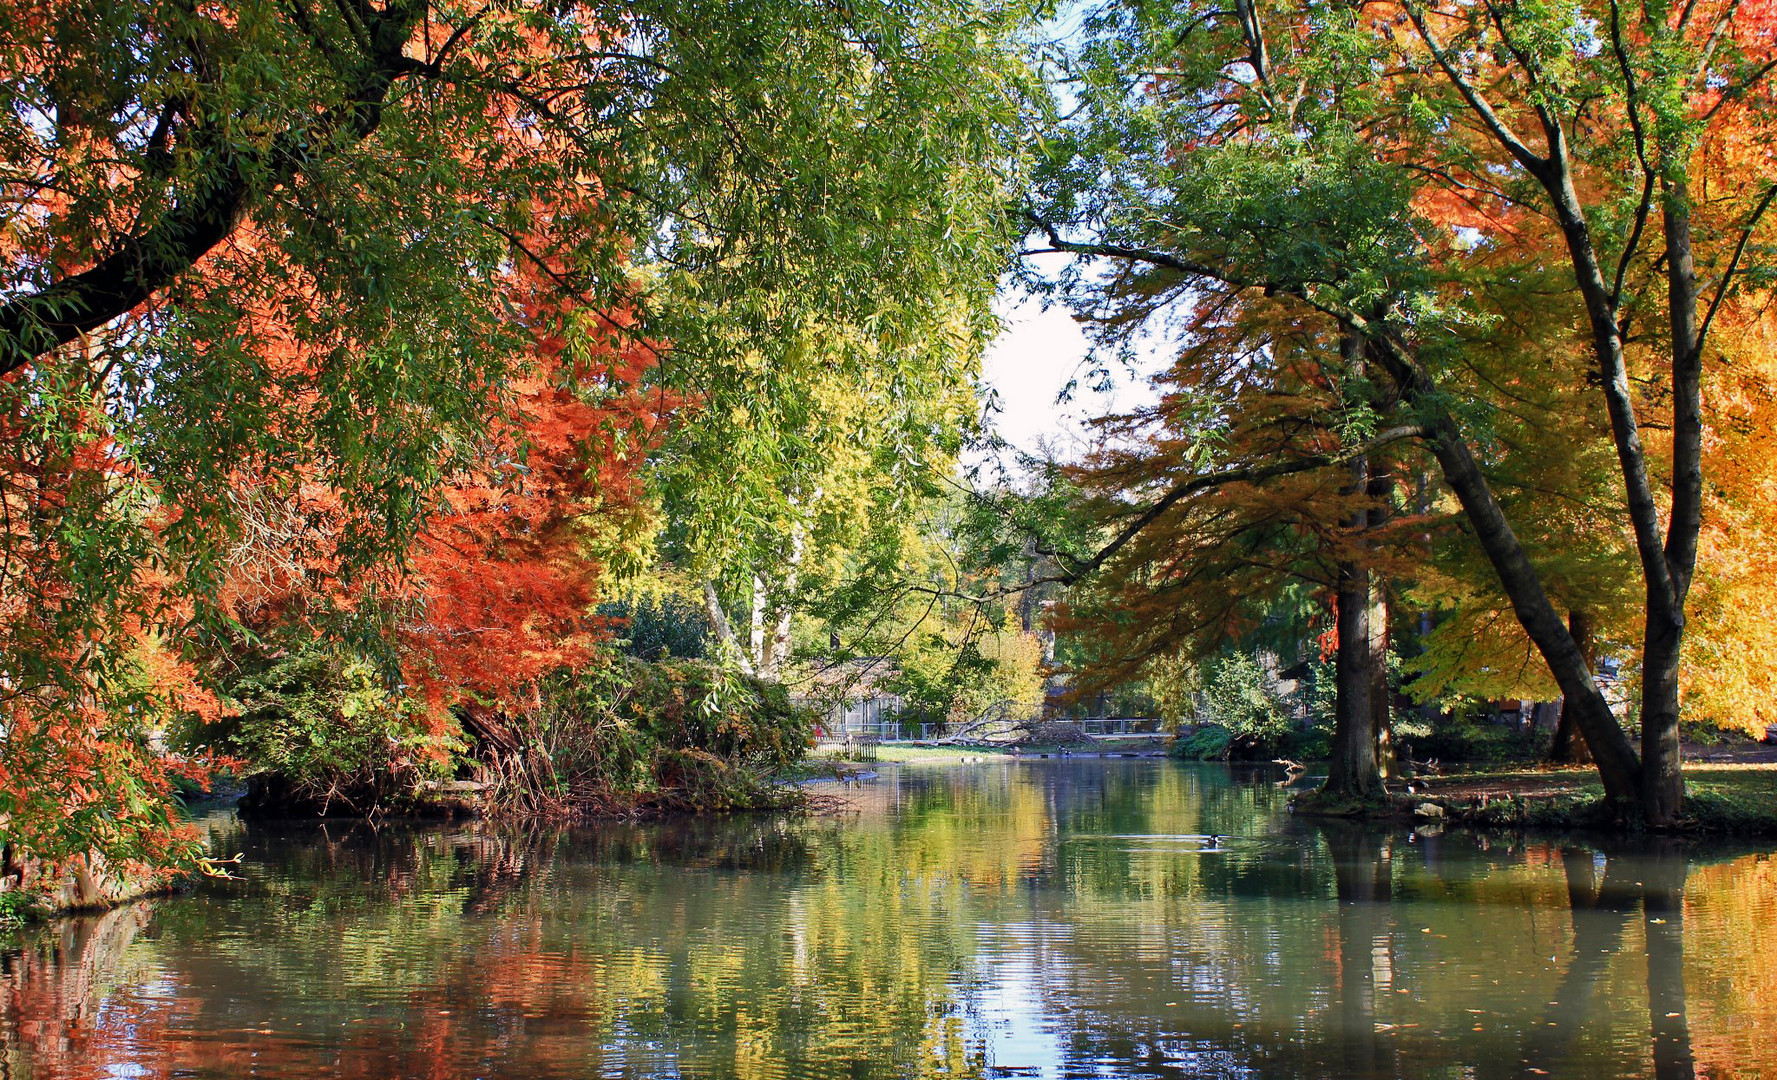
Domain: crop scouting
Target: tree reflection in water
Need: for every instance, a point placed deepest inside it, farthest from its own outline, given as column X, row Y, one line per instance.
column 1051, row 919
column 1363, row 890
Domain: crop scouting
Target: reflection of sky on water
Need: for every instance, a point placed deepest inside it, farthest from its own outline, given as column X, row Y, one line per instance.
column 1051, row 919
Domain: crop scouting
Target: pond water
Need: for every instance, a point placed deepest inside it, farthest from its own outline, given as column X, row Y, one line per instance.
column 1045, row 919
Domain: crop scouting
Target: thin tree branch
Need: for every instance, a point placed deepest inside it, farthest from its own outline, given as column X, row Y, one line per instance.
column 1250, row 474
column 1721, row 288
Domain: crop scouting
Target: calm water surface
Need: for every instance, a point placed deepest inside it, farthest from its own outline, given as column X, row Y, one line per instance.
column 1045, row 919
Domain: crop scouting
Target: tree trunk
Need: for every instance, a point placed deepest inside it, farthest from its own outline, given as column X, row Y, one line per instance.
column 730, row 644
column 760, row 646
column 1380, row 489
column 782, row 611
column 1361, row 668
column 1354, row 770
column 1381, row 697
column 1662, row 776
column 1669, row 559
column 1618, row 765
column 1570, row 746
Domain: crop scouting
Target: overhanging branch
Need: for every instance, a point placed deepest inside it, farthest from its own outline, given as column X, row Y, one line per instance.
column 1248, row 474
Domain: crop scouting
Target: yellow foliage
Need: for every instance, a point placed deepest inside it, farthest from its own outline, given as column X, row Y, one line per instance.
column 1730, row 672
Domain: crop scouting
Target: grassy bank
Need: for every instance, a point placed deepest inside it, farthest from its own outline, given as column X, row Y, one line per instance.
column 1720, row 799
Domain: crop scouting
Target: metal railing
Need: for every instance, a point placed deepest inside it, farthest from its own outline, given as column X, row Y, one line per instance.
column 897, row 731
column 854, row 746
column 1119, row 725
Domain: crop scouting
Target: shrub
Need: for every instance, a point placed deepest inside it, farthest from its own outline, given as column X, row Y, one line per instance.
column 678, row 734
column 319, row 730
column 1312, row 743
column 1465, row 739
column 1240, row 696
column 659, row 628
column 1210, row 742
column 16, row 910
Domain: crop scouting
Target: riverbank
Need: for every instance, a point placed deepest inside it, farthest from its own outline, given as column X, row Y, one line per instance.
column 1721, row 799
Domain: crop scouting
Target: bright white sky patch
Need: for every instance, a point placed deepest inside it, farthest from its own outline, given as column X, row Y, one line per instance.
column 1032, row 362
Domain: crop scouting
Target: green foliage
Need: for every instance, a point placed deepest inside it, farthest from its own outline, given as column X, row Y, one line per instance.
column 1211, row 742
column 660, row 627
column 1173, row 682
column 1311, row 743
column 1706, row 733
column 1239, row 694
column 323, row 242
column 1457, row 737
column 676, row 734
column 1236, row 703
column 834, row 352
column 17, row 910
column 318, row 728
column 1322, row 691
column 943, row 679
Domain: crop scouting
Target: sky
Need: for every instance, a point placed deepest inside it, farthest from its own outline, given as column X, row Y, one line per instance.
column 1035, row 357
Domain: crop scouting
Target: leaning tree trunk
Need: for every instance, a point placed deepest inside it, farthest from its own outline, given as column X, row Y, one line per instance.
column 1619, row 767
column 1668, row 556
column 725, row 635
column 1570, row 746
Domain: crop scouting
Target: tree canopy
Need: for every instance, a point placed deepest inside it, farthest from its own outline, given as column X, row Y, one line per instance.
column 415, row 289
column 1379, row 171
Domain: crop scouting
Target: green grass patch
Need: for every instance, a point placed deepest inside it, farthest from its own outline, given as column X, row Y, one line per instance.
column 1719, row 799
column 1731, row 799
column 908, row 754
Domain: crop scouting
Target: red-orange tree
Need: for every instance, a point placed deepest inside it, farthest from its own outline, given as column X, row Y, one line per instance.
column 277, row 242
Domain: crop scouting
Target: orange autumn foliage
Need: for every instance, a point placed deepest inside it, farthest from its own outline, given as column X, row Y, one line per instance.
column 82, row 781
column 501, row 581
column 498, row 585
